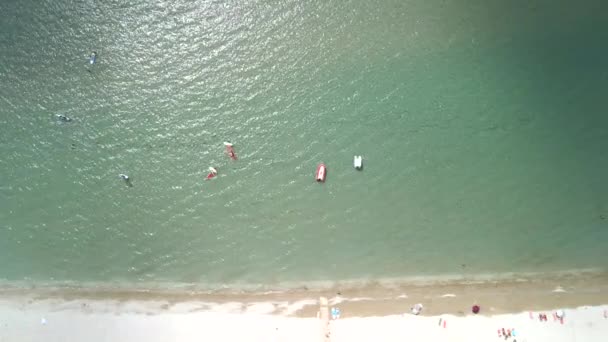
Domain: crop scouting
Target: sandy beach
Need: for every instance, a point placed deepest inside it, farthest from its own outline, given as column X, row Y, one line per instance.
column 159, row 171
column 368, row 313
column 71, row 322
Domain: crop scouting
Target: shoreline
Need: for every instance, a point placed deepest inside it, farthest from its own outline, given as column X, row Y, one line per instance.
column 587, row 274
column 362, row 300
column 368, row 313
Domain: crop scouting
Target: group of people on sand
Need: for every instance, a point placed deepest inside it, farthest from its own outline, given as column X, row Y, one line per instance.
column 508, row 333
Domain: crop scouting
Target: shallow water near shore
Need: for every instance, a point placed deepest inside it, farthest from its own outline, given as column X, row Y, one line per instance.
column 482, row 128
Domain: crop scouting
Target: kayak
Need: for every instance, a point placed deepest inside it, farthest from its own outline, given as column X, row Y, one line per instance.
column 321, row 173
column 230, row 150
column 212, row 173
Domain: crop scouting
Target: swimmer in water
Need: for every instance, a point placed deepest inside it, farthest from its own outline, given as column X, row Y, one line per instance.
column 126, row 179
column 63, row 118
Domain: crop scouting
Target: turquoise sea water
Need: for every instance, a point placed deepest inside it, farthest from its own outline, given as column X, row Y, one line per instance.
column 483, row 128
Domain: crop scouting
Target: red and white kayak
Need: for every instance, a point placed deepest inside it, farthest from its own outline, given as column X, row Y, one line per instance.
column 230, row 150
column 212, row 173
column 321, row 173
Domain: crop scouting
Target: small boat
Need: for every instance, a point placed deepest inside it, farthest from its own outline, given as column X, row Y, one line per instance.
column 93, row 57
column 212, row 173
column 230, row 150
column 358, row 162
column 321, row 173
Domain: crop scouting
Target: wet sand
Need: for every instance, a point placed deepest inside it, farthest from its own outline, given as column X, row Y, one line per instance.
column 372, row 299
column 374, row 311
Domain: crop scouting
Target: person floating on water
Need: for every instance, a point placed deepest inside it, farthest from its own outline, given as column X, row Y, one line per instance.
column 212, row 173
column 93, row 58
column 126, row 179
column 230, row 150
column 63, row 118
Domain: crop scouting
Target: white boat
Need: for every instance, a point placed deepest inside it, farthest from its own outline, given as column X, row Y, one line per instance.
column 358, row 162
column 321, row 173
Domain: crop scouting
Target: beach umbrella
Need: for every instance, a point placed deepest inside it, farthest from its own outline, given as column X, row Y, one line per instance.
column 475, row 309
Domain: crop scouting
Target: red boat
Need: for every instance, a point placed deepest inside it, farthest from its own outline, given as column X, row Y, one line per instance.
column 321, row 173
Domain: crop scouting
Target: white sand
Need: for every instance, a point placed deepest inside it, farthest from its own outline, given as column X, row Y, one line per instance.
column 75, row 326
column 581, row 324
column 128, row 321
